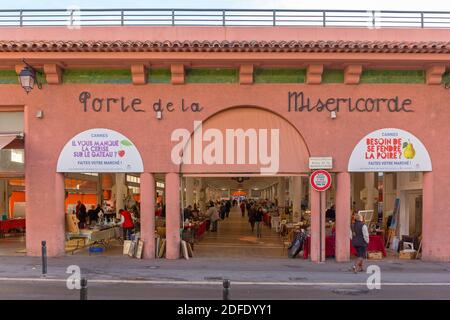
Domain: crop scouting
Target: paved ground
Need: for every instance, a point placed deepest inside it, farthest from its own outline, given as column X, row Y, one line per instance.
column 121, row 277
column 272, row 277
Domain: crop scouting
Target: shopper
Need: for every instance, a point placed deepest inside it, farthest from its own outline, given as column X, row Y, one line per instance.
column 81, row 214
column 223, row 211
column 227, row 208
column 214, row 219
column 360, row 239
column 242, row 206
column 258, row 221
column 93, row 215
column 251, row 217
column 330, row 214
column 126, row 221
column 187, row 212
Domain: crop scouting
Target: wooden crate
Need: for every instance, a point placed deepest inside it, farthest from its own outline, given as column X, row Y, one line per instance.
column 407, row 254
column 375, row 255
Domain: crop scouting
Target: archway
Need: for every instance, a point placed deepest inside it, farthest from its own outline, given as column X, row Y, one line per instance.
column 98, row 176
column 388, row 169
column 251, row 150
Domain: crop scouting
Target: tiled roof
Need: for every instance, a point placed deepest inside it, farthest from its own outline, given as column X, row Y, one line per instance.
column 225, row 46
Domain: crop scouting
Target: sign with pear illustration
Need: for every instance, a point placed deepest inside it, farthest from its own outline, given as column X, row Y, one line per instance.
column 408, row 150
column 389, row 150
column 100, row 150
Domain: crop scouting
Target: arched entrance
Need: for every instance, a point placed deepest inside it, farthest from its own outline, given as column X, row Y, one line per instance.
column 389, row 169
column 258, row 156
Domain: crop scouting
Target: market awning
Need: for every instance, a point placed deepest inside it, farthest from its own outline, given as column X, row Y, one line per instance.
column 6, row 139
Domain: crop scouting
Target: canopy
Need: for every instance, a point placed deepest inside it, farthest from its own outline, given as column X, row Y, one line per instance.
column 6, row 139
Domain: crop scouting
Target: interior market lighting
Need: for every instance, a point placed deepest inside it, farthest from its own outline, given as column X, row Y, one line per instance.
column 27, row 78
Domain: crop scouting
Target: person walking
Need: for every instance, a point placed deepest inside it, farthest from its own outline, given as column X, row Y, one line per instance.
column 222, row 210
column 360, row 239
column 251, row 217
column 228, row 207
column 242, row 206
column 258, row 221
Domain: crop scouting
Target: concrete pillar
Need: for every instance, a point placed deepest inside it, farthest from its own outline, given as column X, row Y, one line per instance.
column 148, row 197
column 297, row 194
column 99, row 189
column 120, row 184
column 189, row 191
column 281, row 192
column 317, row 237
column 3, row 198
column 291, row 190
column 369, row 180
column 343, row 216
column 173, row 210
column 53, row 230
column 430, row 246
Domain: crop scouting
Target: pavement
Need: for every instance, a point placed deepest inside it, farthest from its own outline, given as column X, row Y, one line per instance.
column 119, row 277
column 256, row 267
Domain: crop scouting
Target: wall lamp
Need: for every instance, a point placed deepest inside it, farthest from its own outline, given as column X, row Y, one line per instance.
column 27, row 78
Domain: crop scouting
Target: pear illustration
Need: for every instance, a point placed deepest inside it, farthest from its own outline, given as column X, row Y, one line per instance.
column 409, row 151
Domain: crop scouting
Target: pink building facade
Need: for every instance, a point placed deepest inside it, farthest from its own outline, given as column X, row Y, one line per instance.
column 280, row 77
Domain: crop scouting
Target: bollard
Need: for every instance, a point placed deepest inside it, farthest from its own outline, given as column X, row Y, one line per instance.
column 83, row 290
column 44, row 258
column 226, row 289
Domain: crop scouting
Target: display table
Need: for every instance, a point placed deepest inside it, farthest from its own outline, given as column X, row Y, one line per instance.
column 7, row 225
column 199, row 228
column 375, row 244
column 330, row 247
column 102, row 236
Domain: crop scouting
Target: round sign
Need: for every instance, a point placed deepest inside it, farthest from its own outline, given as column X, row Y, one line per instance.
column 320, row 180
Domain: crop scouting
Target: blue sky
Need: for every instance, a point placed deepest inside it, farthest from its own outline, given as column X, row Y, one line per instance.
column 418, row 5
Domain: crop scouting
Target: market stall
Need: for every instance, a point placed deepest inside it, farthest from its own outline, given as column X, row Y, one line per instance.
column 6, row 226
column 375, row 244
column 198, row 227
column 97, row 236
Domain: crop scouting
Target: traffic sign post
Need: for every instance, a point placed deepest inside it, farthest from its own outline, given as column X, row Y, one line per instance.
column 320, row 181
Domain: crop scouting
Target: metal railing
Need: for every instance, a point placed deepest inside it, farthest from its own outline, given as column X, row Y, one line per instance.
column 224, row 17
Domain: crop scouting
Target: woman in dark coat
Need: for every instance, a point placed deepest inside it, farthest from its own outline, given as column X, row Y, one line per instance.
column 251, row 217
column 259, row 215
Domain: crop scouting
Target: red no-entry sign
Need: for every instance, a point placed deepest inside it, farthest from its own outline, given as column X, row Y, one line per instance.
column 320, row 180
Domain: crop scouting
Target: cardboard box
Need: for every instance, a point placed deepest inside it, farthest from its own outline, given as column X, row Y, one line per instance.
column 407, row 254
column 375, row 255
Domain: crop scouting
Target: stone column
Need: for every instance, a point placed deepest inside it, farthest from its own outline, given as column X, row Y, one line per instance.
column 99, row 189
column 120, row 184
column 297, row 194
column 53, row 230
column 3, row 198
column 430, row 243
column 173, row 211
column 343, row 213
column 189, row 191
column 281, row 192
column 291, row 190
column 148, row 203
column 316, row 216
column 369, row 180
